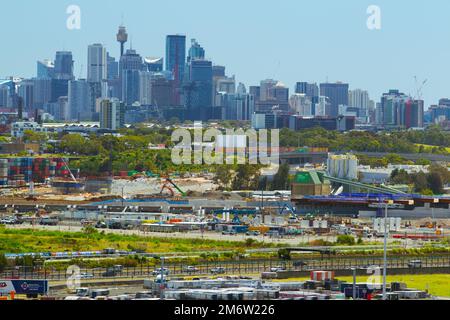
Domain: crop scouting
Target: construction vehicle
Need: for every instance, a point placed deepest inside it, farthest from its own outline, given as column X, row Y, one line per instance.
column 168, row 184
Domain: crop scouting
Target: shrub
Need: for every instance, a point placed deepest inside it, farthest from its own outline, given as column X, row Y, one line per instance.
column 345, row 240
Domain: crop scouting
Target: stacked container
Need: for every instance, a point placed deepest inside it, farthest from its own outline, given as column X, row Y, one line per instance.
column 3, row 172
column 21, row 171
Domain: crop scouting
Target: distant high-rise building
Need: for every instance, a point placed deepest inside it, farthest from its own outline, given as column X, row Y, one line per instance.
column 241, row 89
column 45, row 69
column 301, row 104
column 322, row 105
column 237, row 106
column 256, row 92
column 59, row 109
column 26, row 92
column 145, row 87
column 218, row 71
column 444, row 102
column 225, row 84
column 337, row 94
column 112, row 68
column 79, row 105
column 97, row 63
column 359, row 99
column 42, row 92
column 154, row 64
column 162, row 92
column 63, row 66
column 264, row 88
column 112, row 114
column 413, row 114
column 195, row 51
column 391, row 105
column 131, row 64
column 311, row 90
column 280, row 94
column 398, row 110
column 199, row 90
column 176, row 60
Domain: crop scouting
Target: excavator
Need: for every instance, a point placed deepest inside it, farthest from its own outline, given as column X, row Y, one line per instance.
column 169, row 185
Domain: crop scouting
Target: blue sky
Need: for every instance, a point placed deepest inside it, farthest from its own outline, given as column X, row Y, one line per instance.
column 289, row 40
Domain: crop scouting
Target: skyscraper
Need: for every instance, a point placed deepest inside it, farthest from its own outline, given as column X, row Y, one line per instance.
column 26, row 92
column 154, row 64
column 112, row 68
column 112, row 114
column 79, row 106
column 45, row 69
column 145, row 87
column 195, row 51
column 42, row 92
column 131, row 64
column 201, row 84
column 337, row 94
column 311, row 90
column 264, row 88
column 97, row 63
column 63, row 66
column 176, row 60
column 359, row 99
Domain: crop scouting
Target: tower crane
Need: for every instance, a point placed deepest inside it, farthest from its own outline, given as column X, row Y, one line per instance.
column 419, row 88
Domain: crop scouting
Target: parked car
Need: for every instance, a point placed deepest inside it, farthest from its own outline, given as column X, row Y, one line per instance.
column 299, row 264
column 277, row 269
column 144, row 295
column 49, row 222
column 158, row 271
column 109, row 251
column 191, row 269
column 113, row 271
column 218, row 270
column 7, row 221
column 415, row 264
column 85, row 275
column 229, row 232
column 101, row 225
column 253, row 233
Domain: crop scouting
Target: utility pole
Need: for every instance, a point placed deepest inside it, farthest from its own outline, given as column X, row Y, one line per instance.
column 161, row 288
column 385, row 251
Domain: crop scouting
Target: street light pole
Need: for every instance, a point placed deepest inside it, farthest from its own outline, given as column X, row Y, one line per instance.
column 354, row 283
column 385, row 251
column 162, row 279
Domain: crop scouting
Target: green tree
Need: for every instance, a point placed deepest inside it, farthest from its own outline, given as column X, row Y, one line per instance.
column 223, row 176
column 30, row 136
column 3, row 262
column 346, row 240
column 420, row 182
column 435, row 183
column 281, row 178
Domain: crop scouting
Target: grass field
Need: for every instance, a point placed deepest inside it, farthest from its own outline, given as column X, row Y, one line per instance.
column 27, row 240
column 437, row 284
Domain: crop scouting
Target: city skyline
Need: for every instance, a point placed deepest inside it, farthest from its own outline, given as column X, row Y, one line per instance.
column 249, row 49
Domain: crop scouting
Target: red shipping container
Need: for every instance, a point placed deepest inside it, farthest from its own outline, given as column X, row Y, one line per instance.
column 322, row 275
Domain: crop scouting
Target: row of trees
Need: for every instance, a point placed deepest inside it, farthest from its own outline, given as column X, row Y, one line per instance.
column 425, row 183
column 362, row 141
